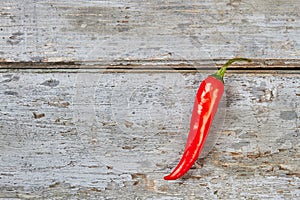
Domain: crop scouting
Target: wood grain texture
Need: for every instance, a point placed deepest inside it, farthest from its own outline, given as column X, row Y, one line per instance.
column 121, row 32
column 96, row 98
column 99, row 135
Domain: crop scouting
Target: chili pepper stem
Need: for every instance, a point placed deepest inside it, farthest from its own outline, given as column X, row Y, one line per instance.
column 221, row 72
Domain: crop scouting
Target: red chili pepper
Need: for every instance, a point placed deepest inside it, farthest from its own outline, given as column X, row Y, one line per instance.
column 206, row 103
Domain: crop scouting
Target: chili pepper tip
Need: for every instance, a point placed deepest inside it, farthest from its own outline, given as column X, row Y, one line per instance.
column 169, row 177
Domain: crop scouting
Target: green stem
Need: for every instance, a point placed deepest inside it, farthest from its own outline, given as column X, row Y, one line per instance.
column 221, row 72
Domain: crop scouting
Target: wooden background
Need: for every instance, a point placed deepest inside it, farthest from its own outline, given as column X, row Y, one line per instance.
column 96, row 98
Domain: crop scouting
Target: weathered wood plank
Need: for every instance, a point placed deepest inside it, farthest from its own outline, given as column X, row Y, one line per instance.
column 155, row 65
column 114, row 136
column 114, row 32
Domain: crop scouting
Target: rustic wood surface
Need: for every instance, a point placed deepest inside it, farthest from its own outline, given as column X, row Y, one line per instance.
column 96, row 98
column 99, row 135
column 118, row 31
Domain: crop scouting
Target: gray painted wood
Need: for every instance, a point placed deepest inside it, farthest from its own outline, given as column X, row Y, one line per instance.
column 117, row 32
column 73, row 128
column 94, row 135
